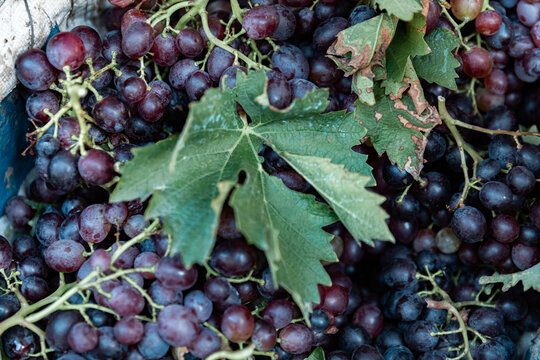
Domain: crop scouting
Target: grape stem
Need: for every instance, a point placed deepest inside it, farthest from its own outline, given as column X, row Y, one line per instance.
column 462, row 146
column 456, row 26
column 241, row 354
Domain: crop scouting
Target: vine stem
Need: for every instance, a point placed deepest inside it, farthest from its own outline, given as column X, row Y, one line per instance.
column 462, row 146
column 241, row 354
column 204, row 20
column 146, row 232
column 494, row 132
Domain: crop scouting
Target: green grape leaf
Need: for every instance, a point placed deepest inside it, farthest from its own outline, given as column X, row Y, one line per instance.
column 438, row 66
column 403, row 9
column 191, row 176
column 400, row 126
column 530, row 279
column 363, row 45
column 317, row 354
column 407, row 43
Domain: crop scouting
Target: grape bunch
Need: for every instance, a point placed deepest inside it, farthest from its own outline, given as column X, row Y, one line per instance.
column 84, row 278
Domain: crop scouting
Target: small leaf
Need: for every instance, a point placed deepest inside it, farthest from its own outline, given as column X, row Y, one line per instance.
column 403, row 9
column 396, row 127
column 363, row 45
column 438, row 66
column 530, row 279
column 407, row 43
column 317, row 354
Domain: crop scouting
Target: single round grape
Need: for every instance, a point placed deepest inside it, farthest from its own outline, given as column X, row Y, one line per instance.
column 170, row 271
column 177, row 325
column 134, row 89
column 400, row 274
column 205, row 343
column 91, row 40
column 127, row 258
column 504, row 228
column 261, row 22
column 96, row 167
column 163, row 90
column 62, row 172
column 323, row 71
column 228, row 78
column 326, row 33
column 18, row 212
column 362, row 13
column 165, row 50
column 38, row 102
column 305, row 21
column 495, row 196
column 469, row 224
column 126, row 301
column 418, row 336
column 19, row 342
column 366, row 352
column 197, row 83
column 116, row 213
column 466, row 9
column 335, row 300
column 48, row 228
column 296, row 338
column 137, row 39
column 370, row 317
column 82, row 337
column 93, row 226
column 237, row 323
column 33, row 266
column 409, row 307
column 525, row 256
column 24, row 246
column 488, row 22
column 65, row 256
column 496, row 82
column 278, row 313
column 218, row 61
column 34, row 288
column 111, row 114
column 477, row 62
column 34, row 71
column 493, row 252
column 152, row 346
column 264, row 336
column 146, row 259
column 513, row 307
column 129, row 330
column 189, row 42
column 233, row 258
column 65, row 49
column 488, row 321
column 447, row 242
column 290, row 62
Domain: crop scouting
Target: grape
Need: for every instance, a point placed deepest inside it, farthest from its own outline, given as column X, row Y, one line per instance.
column 338, row 355
column 477, row 62
column 151, row 108
column 33, row 266
column 67, row 127
column 395, row 177
column 435, row 148
column 418, row 336
column 218, row 61
column 228, row 78
column 217, row 289
column 64, row 256
column 34, row 288
column 504, row 228
column 65, row 49
column 514, row 308
column 305, row 22
column 326, row 33
column 520, row 180
column 146, row 259
column 493, row 252
column 128, row 330
column 264, row 336
column 100, row 259
column 134, row 89
column 82, row 337
column 424, row 240
column 200, row 303
column 197, row 83
column 495, row 196
column 18, row 212
column 165, row 50
column 238, row 324
column 351, row 337
column 38, row 102
column 34, row 70
column 116, row 213
column 113, row 42
column 19, row 342
column 189, row 42
column 177, row 325
column 126, row 300
column 8, row 306
column 466, row 9
column 362, row 13
column 525, row 256
column 502, row 149
column 447, row 242
column 496, row 82
column 96, row 167
column 325, row 11
column 370, row 317
column 492, row 350
column 296, row 338
column 286, row 23
column 233, row 258
column 535, row 33
column 487, row 321
column 528, row 13
column 366, row 352
column 111, row 114
column 164, row 296
column 488, row 22
column 152, row 345
column 91, row 40
column 278, row 313
column 261, row 22
column 58, row 326
column 137, row 39
column 319, row 319
column 170, row 271
column 469, row 224
column 522, row 73
column 531, row 62
column 48, row 227
column 62, row 172
column 205, row 343
column 279, row 91
column 290, row 62
column 435, row 191
column 24, row 246
column 93, row 227
column 409, row 307
column 323, row 71
column 127, row 258
column 335, row 300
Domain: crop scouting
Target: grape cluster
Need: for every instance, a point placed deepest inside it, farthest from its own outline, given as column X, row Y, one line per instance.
column 88, row 279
